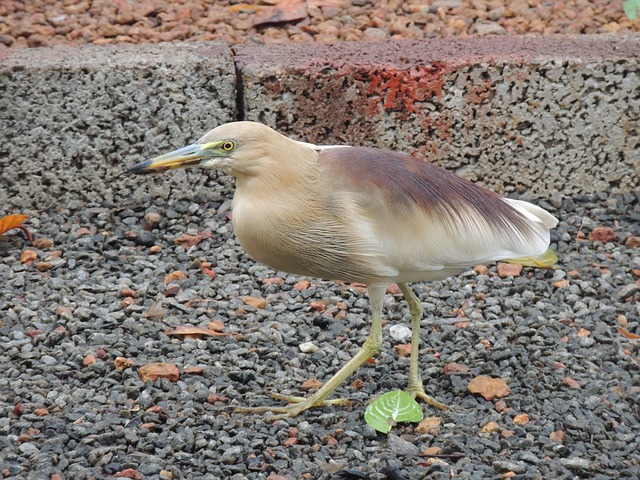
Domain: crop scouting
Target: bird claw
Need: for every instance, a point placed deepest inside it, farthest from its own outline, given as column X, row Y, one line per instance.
column 296, row 405
column 418, row 392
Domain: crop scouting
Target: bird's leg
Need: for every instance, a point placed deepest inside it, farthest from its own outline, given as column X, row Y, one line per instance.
column 415, row 388
column 370, row 347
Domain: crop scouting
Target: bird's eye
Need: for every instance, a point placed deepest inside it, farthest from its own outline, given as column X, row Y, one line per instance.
column 228, row 146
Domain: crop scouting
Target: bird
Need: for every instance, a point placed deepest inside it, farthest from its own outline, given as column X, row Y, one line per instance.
column 358, row 214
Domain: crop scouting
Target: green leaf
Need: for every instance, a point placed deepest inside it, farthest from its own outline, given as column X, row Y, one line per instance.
column 396, row 406
column 631, row 8
column 547, row 260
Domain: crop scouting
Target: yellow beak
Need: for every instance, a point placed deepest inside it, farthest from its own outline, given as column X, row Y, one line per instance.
column 189, row 156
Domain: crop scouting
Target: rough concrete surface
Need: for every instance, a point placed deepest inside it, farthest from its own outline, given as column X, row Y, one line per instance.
column 534, row 115
column 73, row 118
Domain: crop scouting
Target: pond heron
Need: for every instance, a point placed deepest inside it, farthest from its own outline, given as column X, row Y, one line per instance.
column 361, row 215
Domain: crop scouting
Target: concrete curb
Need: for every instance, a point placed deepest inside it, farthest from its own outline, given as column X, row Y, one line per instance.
column 541, row 116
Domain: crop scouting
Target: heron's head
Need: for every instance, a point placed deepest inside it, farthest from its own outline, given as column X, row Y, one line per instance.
column 237, row 148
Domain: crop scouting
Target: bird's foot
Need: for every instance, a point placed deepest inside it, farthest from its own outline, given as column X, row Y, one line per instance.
column 296, row 405
column 417, row 392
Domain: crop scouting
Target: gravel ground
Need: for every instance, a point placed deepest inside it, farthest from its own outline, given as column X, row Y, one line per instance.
column 39, row 23
column 69, row 412
column 92, row 301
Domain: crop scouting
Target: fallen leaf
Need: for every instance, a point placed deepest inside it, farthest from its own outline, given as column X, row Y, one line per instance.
column 632, row 242
column 357, row 384
column 583, row 332
column 390, row 408
column 285, row 11
column 190, row 331
column 481, row 269
column 626, row 334
column 129, row 473
column 403, row 349
column 430, row 425
column 28, row 256
column 603, row 234
column 88, row 360
column 213, row 399
column 557, row 436
column 454, row 367
column 42, row 243
column 302, row 285
column 521, row 419
column 174, row 276
column 571, row 382
column 14, row 221
column 255, row 302
column 187, row 241
column 394, row 289
column 312, row 384
column 509, row 269
column 193, row 370
column 561, row 283
column 490, row 427
column 156, row 310
column 215, row 325
column 122, row 363
column 489, row 388
column 152, row 371
column 244, row 7
column 44, row 266
column 273, row 281
column 41, row 412
column 431, row 451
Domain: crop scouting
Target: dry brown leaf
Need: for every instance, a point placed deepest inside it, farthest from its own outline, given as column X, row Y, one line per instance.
column 583, row 332
column 273, row 281
column 509, row 269
column 403, row 349
column 215, row 325
column 489, row 388
column 188, row 241
column 626, row 334
column 13, row 221
column 244, row 7
column 312, row 384
column 122, row 363
column 557, row 437
column 603, row 234
column 214, row 398
column 28, row 256
column 156, row 310
column 430, row 425
column 190, row 331
column 174, row 276
column 193, row 370
column 88, row 360
column 284, row 11
column 571, row 382
column 490, row 427
column 454, row 367
column 256, row 302
column 521, row 419
column 153, row 371
column 632, row 242
column 302, row 285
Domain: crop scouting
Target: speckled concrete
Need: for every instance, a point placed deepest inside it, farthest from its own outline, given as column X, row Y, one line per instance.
column 542, row 117
column 73, row 118
column 539, row 116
